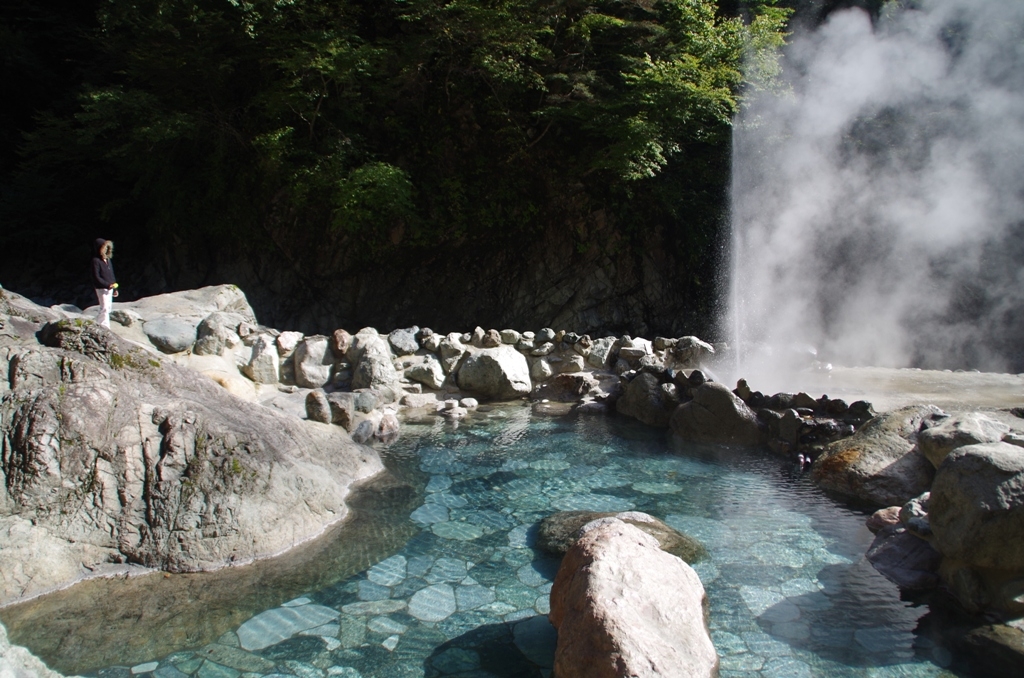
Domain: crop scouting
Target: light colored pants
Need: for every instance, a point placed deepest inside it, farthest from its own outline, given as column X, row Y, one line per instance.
column 106, row 298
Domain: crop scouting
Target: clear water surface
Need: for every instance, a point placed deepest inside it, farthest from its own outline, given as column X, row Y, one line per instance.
column 466, row 595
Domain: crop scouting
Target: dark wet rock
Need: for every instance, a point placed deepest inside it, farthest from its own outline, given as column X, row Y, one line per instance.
column 907, row 561
column 997, row 649
column 743, row 391
column 914, row 516
column 647, row 399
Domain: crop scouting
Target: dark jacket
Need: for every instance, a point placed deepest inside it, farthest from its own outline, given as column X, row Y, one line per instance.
column 102, row 271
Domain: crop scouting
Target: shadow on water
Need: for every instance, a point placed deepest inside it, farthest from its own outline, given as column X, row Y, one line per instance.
column 522, row 649
column 86, row 626
column 872, row 633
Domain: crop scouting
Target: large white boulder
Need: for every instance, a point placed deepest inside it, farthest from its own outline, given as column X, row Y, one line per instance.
column 313, row 360
column 500, row 373
column 623, row 607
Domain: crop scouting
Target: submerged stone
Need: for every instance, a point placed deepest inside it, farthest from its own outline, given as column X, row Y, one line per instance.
column 273, row 626
column 433, row 603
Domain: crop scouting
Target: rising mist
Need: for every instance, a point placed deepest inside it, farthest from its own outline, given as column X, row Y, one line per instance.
column 878, row 197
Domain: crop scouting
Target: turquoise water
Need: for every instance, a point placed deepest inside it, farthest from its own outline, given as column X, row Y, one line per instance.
column 789, row 591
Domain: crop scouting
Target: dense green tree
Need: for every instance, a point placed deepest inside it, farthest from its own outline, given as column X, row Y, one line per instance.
column 346, row 130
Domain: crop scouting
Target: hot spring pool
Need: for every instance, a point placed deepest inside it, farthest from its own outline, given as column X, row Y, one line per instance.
column 466, row 595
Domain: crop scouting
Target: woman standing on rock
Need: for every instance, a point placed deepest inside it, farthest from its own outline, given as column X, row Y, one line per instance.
column 103, row 279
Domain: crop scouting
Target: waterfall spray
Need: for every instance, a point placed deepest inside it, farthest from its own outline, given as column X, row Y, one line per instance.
column 878, row 202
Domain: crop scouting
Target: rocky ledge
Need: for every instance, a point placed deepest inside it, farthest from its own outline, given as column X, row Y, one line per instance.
column 113, row 456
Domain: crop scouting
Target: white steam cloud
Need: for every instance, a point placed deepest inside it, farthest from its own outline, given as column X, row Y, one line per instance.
column 878, row 204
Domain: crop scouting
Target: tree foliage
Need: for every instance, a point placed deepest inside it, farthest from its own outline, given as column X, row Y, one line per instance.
column 371, row 125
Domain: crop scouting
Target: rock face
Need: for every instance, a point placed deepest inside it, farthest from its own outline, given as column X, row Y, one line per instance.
column 976, row 510
column 880, row 464
column 716, row 415
column 623, row 607
column 559, row 531
column 113, row 456
column 500, row 373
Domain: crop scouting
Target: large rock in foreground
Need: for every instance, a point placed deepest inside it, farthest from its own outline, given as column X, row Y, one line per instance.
column 112, row 455
column 880, row 464
column 500, row 373
column 716, row 416
column 623, row 607
column 977, row 506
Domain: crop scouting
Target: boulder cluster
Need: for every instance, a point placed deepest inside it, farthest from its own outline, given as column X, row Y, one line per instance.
column 952, row 488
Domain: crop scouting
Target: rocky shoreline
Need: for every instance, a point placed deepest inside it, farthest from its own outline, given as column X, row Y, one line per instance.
column 188, row 462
